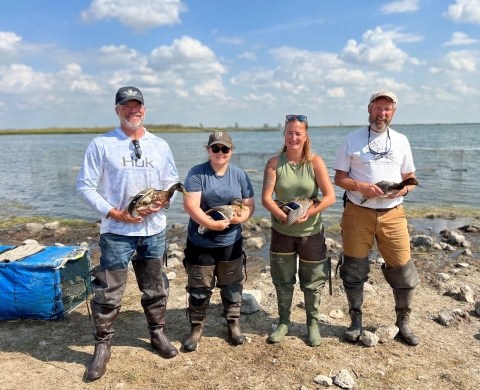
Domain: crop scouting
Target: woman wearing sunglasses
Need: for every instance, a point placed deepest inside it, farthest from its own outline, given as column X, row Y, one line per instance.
column 297, row 174
column 214, row 253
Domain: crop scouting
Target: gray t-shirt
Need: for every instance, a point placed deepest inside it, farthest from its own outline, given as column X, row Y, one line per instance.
column 217, row 191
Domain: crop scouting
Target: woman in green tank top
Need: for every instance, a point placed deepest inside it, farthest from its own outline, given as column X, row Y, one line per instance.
column 296, row 175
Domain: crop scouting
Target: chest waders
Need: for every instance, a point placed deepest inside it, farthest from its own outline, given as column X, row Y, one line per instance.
column 201, row 281
column 150, row 281
column 403, row 281
column 108, row 287
column 354, row 273
column 312, row 276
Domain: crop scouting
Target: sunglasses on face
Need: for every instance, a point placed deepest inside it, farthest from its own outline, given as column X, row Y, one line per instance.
column 216, row 149
column 300, row 118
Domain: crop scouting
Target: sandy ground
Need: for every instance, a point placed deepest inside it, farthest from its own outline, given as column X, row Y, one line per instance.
column 54, row 354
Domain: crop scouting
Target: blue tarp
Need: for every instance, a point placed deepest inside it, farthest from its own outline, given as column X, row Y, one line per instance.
column 31, row 288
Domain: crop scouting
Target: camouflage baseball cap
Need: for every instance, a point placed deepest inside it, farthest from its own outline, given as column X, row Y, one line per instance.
column 384, row 93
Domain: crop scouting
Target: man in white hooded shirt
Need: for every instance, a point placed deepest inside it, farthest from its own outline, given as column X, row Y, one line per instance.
column 124, row 162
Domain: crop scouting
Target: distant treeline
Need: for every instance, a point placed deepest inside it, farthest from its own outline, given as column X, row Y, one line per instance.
column 170, row 128
column 174, row 128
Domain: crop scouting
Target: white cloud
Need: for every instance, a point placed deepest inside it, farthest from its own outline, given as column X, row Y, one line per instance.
column 464, row 11
column 248, row 55
column 400, row 6
column 233, row 41
column 336, row 93
column 460, row 38
column 212, row 87
column 397, row 36
column 186, row 56
column 377, row 50
column 460, row 87
column 462, row 60
column 9, row 41
column 18, row 79
column 151, row 13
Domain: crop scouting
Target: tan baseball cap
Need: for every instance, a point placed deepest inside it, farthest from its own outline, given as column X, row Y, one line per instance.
column 384, row 93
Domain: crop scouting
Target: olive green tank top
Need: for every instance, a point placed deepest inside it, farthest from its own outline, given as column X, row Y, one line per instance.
column 296, row 181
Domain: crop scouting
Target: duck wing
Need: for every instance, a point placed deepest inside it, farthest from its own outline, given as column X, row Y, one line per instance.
column 388, row 186
column 217, row 213
column 146, row 199
column 297, row 212
column 141, row 201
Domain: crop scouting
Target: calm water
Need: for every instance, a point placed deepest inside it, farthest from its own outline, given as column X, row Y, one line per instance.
column 38, row 172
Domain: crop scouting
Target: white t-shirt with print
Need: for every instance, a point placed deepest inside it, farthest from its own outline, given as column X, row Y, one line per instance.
column 355, row 158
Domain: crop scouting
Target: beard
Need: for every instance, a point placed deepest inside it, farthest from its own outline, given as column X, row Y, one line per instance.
column 134, row 124
column 378, row 127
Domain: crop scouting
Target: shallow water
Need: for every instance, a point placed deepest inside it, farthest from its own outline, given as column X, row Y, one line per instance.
column 38, row 172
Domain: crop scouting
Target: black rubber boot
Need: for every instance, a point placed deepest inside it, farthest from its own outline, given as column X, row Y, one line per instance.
column 201, row 281
column 403, row 281
column 230, row 282
column 283, row 269
column 108, row 287
column 354, row 273
column 154, row 302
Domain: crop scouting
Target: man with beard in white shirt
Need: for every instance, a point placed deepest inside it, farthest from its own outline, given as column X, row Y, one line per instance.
column 367, row 156
column 124, row 162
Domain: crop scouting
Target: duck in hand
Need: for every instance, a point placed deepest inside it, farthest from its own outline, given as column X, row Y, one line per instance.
column 147, row 198
column 389, row 186
column 219, row 213
column 296, row 208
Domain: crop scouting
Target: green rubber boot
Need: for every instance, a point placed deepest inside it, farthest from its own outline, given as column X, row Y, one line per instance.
column 313, row 275
column 283, row 268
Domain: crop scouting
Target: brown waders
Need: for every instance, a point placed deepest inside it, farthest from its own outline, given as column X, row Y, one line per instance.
column 154, row 302
column 201, row 281
column 403, row 281
column 230, row 281
column 108, row 287
column 354, row 273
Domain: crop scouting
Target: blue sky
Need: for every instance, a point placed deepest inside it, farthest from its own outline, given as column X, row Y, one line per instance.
column 221, row 62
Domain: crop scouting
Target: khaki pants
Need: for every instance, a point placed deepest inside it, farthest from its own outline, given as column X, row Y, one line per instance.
column 361, row 225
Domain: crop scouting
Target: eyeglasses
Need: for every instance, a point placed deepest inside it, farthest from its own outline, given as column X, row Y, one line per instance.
column 138, row 151
column 379, row 155
column 216, row 149
column 300, row 118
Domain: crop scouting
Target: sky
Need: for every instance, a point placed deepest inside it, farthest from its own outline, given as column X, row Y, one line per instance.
column 238, row 63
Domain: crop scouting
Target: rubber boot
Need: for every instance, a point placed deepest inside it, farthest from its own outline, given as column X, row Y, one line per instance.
column 154, row 302
column 313, row 275
column 201, row 281
column 354, row 273
column 283, row 269
column 230, row 281
column 403, row 281
column 108, row 287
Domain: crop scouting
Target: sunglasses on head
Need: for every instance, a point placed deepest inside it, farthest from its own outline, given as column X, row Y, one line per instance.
column 217, row 148
column 300, row 118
